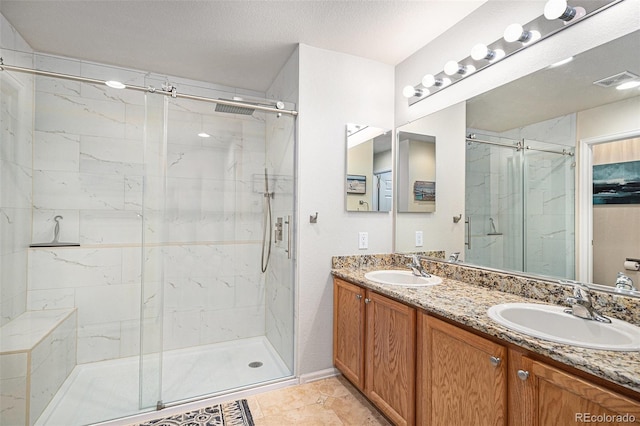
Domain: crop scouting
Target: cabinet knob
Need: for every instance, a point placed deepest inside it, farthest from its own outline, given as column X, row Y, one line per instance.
column 358, row 296
column 495, row 361
column 523, row 375
column 367, row 300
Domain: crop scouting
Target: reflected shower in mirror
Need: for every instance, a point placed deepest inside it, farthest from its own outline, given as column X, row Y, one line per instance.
column 416, row 189
column 519, row 199
column 369, row 169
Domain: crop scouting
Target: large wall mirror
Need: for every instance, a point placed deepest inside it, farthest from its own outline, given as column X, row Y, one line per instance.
column 523, row 174
column 369, row 169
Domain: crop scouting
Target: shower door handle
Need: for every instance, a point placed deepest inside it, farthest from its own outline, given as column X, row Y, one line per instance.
column 288, row 223
column 468, row 242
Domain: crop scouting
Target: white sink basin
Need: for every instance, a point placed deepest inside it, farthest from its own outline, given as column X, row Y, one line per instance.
column 552, row 323
column 401, row 277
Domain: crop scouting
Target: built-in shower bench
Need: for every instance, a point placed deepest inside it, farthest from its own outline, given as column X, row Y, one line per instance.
column 37, row 354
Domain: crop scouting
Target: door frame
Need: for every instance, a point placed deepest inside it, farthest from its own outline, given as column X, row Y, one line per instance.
column 584, row 200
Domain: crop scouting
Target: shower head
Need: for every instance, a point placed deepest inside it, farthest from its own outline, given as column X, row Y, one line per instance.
column 234, row 109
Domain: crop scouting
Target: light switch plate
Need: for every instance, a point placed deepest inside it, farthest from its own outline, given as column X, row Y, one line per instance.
column 419, row 239
column 363, row 240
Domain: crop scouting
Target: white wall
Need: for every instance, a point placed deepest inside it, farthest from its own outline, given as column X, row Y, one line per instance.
column 439, row 230
column 335, row 89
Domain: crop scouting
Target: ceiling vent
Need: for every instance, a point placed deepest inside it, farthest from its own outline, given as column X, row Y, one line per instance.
column 614, row 80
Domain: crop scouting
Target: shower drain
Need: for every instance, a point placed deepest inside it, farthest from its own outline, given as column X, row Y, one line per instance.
column 255, row 364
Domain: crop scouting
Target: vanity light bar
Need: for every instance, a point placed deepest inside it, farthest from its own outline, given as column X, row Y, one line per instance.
column 516, row 38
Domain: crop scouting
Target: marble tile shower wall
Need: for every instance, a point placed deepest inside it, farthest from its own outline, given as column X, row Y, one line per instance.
column 16, row 134
column 89, row 162
column 497, row 174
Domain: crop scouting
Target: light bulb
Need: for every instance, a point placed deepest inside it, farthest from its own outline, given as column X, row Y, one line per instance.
column 428, row 80
column 114, row 84
column 513, row 32
column 555, row 9
column 408, row 91
column 559, row 9
column 204, row 135
column 451, row 68
column 480, row 51
column 446, row 81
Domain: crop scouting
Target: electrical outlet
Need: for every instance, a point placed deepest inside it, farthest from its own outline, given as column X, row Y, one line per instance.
column 363, row 240
column 419, row 240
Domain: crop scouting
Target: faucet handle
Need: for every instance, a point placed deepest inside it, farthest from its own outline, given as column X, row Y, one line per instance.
column 571, row 300
column 581, row 292
column 624, row 282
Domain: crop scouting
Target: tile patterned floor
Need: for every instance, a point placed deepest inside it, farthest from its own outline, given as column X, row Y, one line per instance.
column 332, row 401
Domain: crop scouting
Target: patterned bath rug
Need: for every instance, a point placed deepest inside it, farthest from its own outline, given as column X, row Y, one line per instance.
column 234, row 413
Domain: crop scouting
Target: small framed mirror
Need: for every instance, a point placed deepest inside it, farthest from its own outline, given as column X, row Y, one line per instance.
column 416, row 189
column 368, row 184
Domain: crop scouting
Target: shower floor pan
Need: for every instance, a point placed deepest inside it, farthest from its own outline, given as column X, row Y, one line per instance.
column 106, row 390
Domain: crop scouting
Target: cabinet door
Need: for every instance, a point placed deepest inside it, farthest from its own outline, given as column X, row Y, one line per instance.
column 555, row 397
column 390, row 360
column 463, row 377
column 348, row 331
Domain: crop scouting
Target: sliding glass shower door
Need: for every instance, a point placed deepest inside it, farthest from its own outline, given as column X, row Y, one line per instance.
column 519, row 206
column 218, row 192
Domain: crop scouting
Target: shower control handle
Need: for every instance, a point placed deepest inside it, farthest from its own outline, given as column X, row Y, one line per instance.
column 278, row 231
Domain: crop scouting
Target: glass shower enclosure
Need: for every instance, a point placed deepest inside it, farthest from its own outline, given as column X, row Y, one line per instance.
column 162, row 204
column 519, row 205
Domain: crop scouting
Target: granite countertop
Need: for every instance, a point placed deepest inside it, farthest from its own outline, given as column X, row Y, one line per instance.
column 467, row 304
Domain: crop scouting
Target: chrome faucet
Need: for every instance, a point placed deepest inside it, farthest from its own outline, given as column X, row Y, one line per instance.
column 581, row 305
column 416, row 266
column 454, row 257
column 623, row 282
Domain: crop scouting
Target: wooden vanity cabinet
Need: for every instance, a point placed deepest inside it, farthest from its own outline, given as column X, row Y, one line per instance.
column 374, row 347
column 349, row 331
column 462, row 377
column 542, row 395
column 390, row 358
column 418, row 369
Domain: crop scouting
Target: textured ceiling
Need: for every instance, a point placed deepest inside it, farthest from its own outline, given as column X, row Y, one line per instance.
column 236, row 43
column 554, row 92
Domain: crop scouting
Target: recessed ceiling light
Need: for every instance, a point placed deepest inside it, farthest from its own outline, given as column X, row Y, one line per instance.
column 115, row 84
column 628, row 85
column 204, row 135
